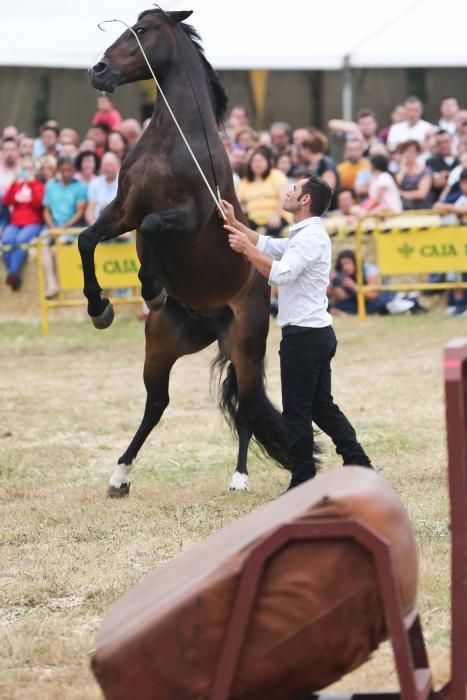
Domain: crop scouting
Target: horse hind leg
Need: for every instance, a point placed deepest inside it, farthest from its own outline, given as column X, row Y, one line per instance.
column 170, row 334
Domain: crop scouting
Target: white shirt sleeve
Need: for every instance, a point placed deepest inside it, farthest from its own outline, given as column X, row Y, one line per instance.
column 274, row 247
column 302, row 252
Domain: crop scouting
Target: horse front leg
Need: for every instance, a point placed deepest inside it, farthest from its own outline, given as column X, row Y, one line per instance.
column 104, row 229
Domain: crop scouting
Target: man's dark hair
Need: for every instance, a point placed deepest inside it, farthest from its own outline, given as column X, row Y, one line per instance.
column 103, row 127
column 320, row 193
column 380, row 162
column 65, row 160
column 365, row 113
column 463, row 175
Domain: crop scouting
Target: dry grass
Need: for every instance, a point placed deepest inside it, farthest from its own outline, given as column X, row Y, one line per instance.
column 70, row 406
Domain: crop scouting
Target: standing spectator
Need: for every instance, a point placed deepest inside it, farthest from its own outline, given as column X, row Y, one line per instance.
column 414, row 128
column 285, row 164
column 238, row 117
column 441, row 164
column 47, row 142
column 352, row 164
column 117, row 143
column 10, row 132
column 365, row 128
column 106, row 113
column 103, row 189
column 262, row 192
column 398, row 115
column 8, row 168
column 413, row 179
column 313, row 153
column 87, row 166
column 383, row 193
column 131, row 130
column 24, row 197
column 247, row 138
column 281, row 134
column 64, row 204
column 449, row 109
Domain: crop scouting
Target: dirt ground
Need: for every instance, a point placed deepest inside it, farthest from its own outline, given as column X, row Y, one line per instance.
column 70, row 405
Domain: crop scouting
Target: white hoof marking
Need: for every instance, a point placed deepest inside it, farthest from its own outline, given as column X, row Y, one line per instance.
column 239, row 482
column 120, row 475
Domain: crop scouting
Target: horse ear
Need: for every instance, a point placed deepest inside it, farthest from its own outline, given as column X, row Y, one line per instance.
column 180, row 16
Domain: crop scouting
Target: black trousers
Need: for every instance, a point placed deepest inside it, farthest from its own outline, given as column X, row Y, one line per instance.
column 305, row 358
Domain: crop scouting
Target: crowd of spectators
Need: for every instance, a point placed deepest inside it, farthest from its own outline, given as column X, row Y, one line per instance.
column 61, row 179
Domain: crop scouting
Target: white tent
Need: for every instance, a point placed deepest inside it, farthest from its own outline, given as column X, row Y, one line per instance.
column 250, row 34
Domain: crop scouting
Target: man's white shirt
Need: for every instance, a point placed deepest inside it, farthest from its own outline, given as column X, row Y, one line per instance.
column 301, row 268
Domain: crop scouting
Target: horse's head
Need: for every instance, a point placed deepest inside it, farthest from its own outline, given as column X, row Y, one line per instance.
column 123, row 62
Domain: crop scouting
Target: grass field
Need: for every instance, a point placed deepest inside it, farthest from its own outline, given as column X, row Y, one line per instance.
column 71, row 404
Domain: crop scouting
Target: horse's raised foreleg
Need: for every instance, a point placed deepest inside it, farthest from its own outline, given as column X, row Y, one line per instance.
column 100, row 310
column 170, row 334
column 153, row 227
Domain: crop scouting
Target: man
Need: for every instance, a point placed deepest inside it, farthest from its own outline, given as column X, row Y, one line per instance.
column 365, row 128
column 281, row 134
column 448, row 110
column 46, row 144
column 352, row 164
column 414, row 128
column 9, row 163
column 300, row 266
column 103, row 189
column 131, row 130
column 441, row 164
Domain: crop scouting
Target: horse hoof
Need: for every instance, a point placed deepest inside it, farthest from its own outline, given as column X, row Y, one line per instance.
column 158, row 302
column 118, row 492
column 104, row 320
column 238, row 483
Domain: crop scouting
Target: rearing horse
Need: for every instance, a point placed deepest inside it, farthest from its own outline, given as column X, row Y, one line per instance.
column 202, row 289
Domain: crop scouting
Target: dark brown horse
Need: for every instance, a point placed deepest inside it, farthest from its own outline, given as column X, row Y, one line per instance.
column 202, row 289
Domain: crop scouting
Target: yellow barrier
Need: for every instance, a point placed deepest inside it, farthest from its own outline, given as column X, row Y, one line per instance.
column 411, row 250
column 116, row 267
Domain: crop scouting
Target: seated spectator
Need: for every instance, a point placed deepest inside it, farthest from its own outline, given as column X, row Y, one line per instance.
column 452, row 189
column 103, row 189
column 247, row 138
column 47, row 168
column 441, row 164
column 99, row 134
column 281, row 136
column 414, row 128
column 448, row 109
column 313, row 153
column 10, row 132
column 285, row 164
column 87, row 165
column 383, row 193
column 106, row 113
column 68, row 135
column 238, row 117
column 9, row 162
column 346, row 208
column 46, row 144
column 352, row 164
column 238, row 160
column 68, row 150
column 262, row 192
column 364, row 128
column 64, row 204
column 131, row 130
column 413, row 179
column 117, row 144
column 87, row 144
column 26, row 146
column 459, row 207
column 342, row 290
column 24, row 197
column 299, row 135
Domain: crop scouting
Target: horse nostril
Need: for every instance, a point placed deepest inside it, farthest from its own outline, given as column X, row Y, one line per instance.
column 100, row 67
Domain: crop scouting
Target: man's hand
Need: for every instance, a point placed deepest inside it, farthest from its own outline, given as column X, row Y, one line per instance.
column 229, row 212
column 239, row 241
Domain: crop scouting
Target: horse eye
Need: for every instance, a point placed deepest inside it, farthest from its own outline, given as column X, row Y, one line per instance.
column 140, row 31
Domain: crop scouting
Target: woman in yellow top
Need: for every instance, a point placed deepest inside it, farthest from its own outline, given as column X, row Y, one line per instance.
column 262, row 192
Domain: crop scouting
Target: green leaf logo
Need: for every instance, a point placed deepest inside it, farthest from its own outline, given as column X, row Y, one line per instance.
column 406, row 250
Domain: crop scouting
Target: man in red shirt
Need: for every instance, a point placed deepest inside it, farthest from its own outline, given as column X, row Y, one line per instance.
column 24, row 197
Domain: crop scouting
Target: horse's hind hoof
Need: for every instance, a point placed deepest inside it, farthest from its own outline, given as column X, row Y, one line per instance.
column 158, row 301
column 119, row 492
column 104, row 320
column 238, row 483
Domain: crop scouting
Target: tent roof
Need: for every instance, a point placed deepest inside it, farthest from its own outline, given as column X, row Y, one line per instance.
column 247, row 34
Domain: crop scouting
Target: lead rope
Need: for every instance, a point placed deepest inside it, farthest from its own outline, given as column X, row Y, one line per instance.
column 211, row 192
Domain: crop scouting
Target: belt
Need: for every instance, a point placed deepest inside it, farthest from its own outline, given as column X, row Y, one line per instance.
column 298, row 330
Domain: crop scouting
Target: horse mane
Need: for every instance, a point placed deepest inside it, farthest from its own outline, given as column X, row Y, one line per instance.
column 218, row 91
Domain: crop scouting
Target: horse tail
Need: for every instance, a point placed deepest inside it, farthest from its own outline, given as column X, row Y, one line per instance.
column 266, row 422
